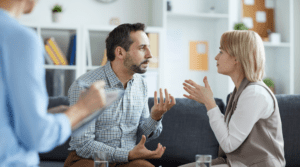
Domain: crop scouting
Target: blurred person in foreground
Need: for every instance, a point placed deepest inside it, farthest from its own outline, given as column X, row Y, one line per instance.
column 26, row 127
column 250, row 133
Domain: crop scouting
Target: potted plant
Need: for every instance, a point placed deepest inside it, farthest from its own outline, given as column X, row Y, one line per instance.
column 270, row 83
column 240, row 26
column 56, row 13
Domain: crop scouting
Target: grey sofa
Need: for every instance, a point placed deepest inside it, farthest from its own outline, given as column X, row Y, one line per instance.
column 186, row 132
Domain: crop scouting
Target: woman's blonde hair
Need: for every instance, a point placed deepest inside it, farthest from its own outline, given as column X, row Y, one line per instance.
column 247, row 47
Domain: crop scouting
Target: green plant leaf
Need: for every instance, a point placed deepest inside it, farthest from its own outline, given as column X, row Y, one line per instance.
column 240, row 26
column 269, row 82
column 57, row 8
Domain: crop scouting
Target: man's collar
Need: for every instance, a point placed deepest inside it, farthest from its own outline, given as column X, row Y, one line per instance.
column 112, row 77
column 110, row 74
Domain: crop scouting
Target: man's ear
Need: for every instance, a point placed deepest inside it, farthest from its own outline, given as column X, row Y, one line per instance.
column 120, row 52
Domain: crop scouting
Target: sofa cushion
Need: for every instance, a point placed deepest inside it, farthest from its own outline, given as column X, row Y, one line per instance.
column 186, row 132
column 289, row 107
column 57, row 101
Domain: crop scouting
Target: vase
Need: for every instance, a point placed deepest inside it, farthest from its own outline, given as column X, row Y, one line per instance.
column 273, row 89
column 56, row 17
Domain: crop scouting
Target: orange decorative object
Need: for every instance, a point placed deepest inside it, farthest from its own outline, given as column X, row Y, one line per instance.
column 153, row 39
column 199, row 55
column 260, row 27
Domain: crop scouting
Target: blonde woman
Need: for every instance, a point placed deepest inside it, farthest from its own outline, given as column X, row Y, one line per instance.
column 250, row 132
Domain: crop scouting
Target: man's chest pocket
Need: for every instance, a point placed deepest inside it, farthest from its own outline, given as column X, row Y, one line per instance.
column 138, row 104
column 136, row 110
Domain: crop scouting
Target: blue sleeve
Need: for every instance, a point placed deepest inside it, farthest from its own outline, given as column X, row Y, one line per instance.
column 25, row 79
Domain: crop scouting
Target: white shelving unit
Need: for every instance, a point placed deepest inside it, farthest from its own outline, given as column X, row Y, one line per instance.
column 59, row 67
column 194, row 21
column 280, row 57
column 61, row 33
column 282, row 44
column 198, row 15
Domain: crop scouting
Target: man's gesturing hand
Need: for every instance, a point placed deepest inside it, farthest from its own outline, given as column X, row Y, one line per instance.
column 141, row 152
column 159, row 109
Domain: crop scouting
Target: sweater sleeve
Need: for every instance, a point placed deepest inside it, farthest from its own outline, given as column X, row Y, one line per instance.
column 254, row 103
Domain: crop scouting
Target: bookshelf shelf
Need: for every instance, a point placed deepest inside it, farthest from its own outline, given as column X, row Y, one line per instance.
column 60, row 67
column 99, row 28
column 110, row 28
column 198, row 15
column 92, row 67
column 52, row 26
column 283, row 44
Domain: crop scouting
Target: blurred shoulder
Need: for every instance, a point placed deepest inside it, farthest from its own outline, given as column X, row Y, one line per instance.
column 12, row 29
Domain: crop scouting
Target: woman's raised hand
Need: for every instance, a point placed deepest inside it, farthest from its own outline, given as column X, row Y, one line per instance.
column 201, row 94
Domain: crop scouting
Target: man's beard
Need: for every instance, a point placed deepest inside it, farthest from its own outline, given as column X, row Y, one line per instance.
column 128, row 63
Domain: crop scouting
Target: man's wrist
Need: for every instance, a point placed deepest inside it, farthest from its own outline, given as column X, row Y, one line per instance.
column 156, row 118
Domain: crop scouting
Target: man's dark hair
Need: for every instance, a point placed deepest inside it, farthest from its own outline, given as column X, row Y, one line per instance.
column 120, row 36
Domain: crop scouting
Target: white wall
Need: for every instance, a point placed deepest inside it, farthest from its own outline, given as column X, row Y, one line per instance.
column 297, row 46
column 92, row 12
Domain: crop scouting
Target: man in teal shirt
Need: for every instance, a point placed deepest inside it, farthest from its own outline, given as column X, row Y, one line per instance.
column 25, row 126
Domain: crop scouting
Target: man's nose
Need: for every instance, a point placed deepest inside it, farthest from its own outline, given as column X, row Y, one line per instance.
column 149, row 54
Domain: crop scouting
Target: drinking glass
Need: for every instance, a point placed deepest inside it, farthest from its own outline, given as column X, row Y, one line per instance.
column 100, row 159
column 203, row 160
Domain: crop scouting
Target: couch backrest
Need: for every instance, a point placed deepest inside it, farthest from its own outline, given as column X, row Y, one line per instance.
column 186, row 132
column 289, row 106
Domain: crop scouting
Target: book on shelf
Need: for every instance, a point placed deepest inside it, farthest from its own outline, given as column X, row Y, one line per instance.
column 104, row 59
column 49, row 82
column 58, row 82
column 48, row 59
column 51, row 43
column 53, row 57
column 71, row 56
column 88, row 50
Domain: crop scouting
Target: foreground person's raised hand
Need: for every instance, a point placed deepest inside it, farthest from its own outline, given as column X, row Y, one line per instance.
column 90, row 100
column 141, row 152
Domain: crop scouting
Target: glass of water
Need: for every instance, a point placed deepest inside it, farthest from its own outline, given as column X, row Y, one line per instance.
column 100, row 159
column 203, row 160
